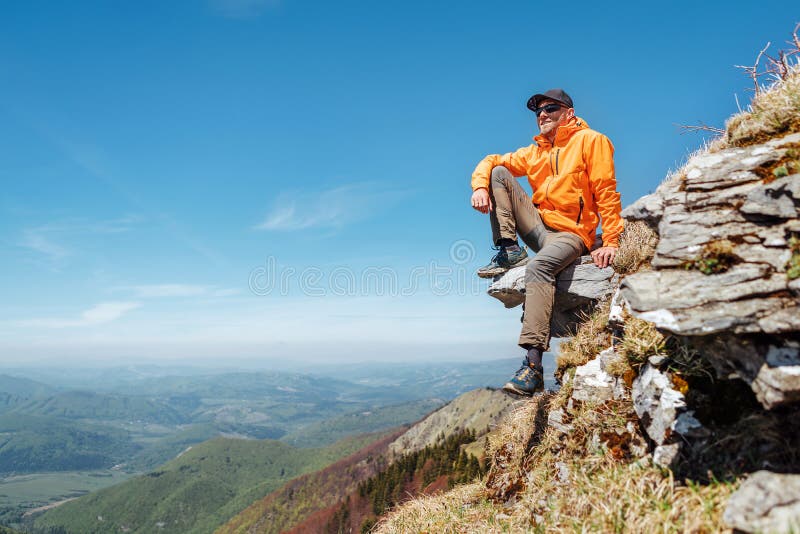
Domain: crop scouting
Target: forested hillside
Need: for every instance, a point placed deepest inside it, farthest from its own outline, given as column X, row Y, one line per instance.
column 198, row 491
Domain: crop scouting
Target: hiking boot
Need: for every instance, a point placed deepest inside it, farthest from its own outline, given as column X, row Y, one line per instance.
column 527, row 381
column 503, row 261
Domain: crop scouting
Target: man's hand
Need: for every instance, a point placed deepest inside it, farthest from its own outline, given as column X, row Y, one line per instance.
column 481, row 200
column 603, row 256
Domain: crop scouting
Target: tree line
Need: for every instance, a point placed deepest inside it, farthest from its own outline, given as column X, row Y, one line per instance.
column 396, row 483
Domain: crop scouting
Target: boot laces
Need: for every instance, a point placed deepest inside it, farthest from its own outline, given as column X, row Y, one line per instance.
column 501, row 253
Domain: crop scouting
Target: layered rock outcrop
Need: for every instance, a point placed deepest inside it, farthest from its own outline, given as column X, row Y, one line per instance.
column 720, row 269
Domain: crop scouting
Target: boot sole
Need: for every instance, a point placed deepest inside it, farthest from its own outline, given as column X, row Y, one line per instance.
column 492, row 273
column 514, row 390
column 500, row 270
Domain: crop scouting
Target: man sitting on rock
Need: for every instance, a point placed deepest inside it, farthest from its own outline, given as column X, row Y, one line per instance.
column 571, row 172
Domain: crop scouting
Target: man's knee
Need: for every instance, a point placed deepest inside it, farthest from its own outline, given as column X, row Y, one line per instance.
column 500, row 174
column 539, row 272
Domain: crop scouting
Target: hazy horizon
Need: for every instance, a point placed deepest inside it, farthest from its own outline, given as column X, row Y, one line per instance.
column 305, row 359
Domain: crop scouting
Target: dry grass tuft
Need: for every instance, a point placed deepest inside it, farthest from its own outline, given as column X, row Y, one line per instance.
column 640, row 341
column 446, row 512
column 775, row 108
column 608, row 497
column 517, row 426
column 582, row 482
column 775, row 111
column 619, row 366
column 605, row 498
column 508, row 447
column 636, row 248
column 562, row 396
column 723, row 247
column 591, row 337
column 674, row 176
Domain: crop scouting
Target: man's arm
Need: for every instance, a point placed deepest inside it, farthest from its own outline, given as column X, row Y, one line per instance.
column 599, row 159
column 515, row 162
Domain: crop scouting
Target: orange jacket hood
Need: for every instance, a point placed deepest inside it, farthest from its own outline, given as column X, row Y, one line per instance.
column 563, row 133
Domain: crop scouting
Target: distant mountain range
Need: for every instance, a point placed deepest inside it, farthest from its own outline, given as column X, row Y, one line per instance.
column 115, row 426
column 235, row 485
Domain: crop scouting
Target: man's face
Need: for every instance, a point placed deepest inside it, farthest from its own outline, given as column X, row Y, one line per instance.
column 550, row 120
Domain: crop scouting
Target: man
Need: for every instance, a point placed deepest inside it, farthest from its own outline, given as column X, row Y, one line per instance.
column 571, row 172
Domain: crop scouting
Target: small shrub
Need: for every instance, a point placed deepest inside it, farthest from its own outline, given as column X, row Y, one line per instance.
column 685, row 360
column 787, row 164
column 781, row 171
column 793, row 265
column 716, row 257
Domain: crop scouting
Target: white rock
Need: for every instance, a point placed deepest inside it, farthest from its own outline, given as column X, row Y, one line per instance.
column 616, row 315
column 665, row 455
column 765, row 502
column 556, row 419
column 656, row 403
column 591, row 383
column 687, row 425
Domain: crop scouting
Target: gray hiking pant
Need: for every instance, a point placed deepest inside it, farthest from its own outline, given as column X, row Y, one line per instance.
column 513, row 214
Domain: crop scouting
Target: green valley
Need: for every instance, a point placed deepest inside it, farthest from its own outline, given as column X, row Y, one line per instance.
column 198, row 491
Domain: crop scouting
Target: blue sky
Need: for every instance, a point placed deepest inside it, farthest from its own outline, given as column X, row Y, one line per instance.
column 289, row 180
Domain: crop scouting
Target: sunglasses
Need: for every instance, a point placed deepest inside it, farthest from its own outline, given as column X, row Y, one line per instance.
column 549, row 108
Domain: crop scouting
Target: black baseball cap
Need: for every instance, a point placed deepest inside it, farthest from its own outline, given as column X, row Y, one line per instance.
column 553, row 94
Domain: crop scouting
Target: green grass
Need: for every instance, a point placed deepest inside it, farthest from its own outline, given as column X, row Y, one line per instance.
column 42, row 488
column 158, row 451
column 35, row 444
column 198, row 491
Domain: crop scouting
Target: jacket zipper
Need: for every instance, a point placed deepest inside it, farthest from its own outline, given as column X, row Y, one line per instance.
column 547, row 191
column 580, row 212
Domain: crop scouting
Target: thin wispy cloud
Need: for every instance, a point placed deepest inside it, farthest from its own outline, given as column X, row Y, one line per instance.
column 52, row 240
column 102, row 313
column 242, row 9
column 156, row 291
column 168, row 290
column 332, row 208
column 229, row 292
column 39, row 241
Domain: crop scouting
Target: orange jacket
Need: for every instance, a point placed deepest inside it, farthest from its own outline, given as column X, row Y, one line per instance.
column 572, row 180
